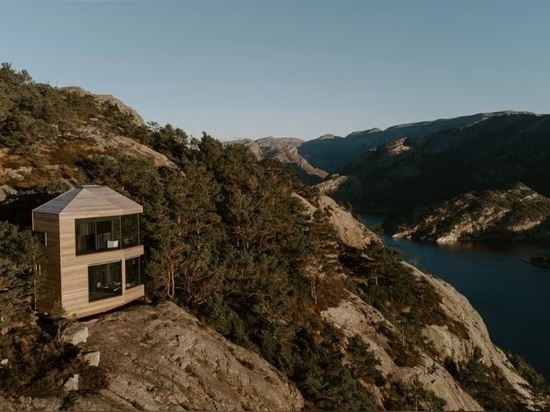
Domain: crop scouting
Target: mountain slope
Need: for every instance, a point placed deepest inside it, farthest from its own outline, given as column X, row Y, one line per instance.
column 492, row 154
column 333, row 153
column 284, row 149
column 315, row 159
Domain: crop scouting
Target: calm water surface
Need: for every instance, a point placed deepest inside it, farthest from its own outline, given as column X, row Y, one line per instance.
column 512, row 296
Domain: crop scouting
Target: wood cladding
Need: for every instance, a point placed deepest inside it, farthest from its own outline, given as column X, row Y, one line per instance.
column 65, row 275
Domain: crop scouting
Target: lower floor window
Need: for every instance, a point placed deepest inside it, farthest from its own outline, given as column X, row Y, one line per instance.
column 134, row 272
column 105, row 280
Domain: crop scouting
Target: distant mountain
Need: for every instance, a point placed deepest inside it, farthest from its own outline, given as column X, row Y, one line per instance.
column 334, row 153
column 491, row 154
column 315, row 159
column 284, row 149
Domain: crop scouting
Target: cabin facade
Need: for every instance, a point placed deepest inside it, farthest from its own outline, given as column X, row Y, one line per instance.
column 93, row 251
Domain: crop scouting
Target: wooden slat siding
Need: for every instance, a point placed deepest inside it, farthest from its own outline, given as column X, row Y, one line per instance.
column 67, row 273
column 75, row 296
column 50, row 283
column 105, row 305
column 76, row 293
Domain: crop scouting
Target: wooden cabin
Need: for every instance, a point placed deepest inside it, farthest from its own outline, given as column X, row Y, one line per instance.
column 93, row 251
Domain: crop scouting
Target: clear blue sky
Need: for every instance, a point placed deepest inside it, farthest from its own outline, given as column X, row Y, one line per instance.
column 289, row 68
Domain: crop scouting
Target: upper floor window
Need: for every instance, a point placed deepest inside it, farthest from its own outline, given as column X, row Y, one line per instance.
column 105, row 233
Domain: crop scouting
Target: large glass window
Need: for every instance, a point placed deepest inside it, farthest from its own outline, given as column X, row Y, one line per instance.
column 104, row 281
column 134, row 272
column 100, row 234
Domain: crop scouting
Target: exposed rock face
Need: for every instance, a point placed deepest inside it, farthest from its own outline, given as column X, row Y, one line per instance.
column 348, row 188
column 5, row 191
column 92, row 358
column 349, row 230
column 354, row 316
column 163, row 358
column 518, row 213
column 449, row 345
column 72, row 383
column 284, row 149
column 76, row 334
column 107, row 98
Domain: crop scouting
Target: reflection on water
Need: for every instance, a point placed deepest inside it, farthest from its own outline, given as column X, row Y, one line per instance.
column 510, row 294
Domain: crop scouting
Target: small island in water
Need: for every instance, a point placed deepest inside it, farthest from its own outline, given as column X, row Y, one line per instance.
column 542, row 261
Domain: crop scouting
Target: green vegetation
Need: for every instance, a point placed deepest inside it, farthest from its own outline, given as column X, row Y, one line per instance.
column 409, row 302
column 536, row 380
column 227, row 240
column 485, row 384
column 18, row 276
column 37, row 362
column 412, row 397
column 363, row 362
column 224, row 236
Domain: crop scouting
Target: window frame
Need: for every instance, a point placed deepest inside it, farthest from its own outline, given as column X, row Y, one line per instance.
column 111, row 290
column 116, row 231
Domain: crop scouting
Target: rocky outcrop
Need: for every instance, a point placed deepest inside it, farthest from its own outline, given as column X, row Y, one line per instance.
column 75, row 334
column 109, row 99
column 353, row 316
column 518, row 213
column 284, row 149
column 163, row 358
column 347, row 189
column 448, row 345
column 349, row 230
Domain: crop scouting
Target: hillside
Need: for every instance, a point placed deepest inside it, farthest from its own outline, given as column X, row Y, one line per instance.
column 315, row 159
column 334, row 153
column 249, row 273
column 493, row 154
column 517, row 213
column 284, row 149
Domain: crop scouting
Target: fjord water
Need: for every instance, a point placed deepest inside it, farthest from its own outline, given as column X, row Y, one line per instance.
column 512, row 296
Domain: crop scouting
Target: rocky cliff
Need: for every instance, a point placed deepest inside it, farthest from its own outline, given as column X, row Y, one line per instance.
column 284, row 149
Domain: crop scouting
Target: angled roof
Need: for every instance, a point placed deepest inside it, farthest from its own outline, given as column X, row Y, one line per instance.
column 92, row 200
